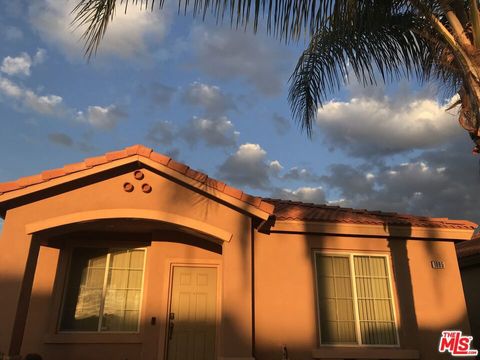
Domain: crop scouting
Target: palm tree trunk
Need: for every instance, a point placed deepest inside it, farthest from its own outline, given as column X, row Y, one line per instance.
column 467, row 55
column 470, row 108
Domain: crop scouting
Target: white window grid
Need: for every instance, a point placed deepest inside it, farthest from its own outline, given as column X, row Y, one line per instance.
column 107, row 271
column 350, row 256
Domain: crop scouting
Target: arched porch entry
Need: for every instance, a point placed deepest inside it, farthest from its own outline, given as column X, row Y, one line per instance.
column 173, row 249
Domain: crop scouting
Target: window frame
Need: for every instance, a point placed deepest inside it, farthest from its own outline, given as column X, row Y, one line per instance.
column 68, row 266
column 351, row 256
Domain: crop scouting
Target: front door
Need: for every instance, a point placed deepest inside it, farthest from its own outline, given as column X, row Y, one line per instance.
column 192, row 318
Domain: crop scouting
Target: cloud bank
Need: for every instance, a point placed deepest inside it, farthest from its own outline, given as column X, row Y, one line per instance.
column 369, row 127
column 129, row 35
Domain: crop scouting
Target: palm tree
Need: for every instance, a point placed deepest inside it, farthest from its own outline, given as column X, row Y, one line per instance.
column 380, row 40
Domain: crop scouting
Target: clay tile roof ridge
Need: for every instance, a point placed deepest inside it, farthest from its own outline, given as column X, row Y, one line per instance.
column 137, row 150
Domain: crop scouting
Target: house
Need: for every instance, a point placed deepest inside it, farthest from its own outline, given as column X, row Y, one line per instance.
column 468, row 253
column 132, row 255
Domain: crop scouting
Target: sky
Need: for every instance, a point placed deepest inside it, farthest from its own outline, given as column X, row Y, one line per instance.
column 216, row 99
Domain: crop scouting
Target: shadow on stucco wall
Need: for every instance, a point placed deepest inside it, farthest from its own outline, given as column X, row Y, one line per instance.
column 38, row 336
column 413, row 334
column 425, row 338
column 419, row 328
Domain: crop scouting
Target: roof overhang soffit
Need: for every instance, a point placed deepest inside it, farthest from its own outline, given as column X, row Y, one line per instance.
column 370, row 230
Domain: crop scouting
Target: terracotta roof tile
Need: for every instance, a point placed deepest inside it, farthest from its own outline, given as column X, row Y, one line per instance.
column 115, row 155
column 252, row 200
column 71, row 168
column 94, row 161
column 139, row 150
column 282, row 209
column 175, row 165
column 291, row 210
column 144, row 151
column 53, row 173
column 160, row 158
column 30, row 180
column 236, row 193
column 9, row 186
column 132, row 150
column 215, row 184
column 196, row 175
column 267, row 207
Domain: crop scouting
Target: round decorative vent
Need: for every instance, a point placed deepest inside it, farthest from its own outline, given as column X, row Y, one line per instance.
column 128, row 187
column 138, row 175
column 146, row 188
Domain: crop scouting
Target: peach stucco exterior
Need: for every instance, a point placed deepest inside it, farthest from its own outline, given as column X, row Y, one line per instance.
column 266, row 302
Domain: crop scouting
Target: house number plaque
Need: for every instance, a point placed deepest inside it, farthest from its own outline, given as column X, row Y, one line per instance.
column 437, row 264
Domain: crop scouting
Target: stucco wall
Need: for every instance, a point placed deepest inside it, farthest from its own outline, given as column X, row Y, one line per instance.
column 166, row 196
column 427, row 301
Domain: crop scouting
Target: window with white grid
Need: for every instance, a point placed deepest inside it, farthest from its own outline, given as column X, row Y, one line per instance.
column 104, row 290
column 354, row 297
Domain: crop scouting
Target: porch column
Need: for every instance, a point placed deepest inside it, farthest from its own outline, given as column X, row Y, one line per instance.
column 23, row 303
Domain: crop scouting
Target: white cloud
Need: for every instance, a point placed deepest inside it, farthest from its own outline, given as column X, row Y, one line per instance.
column 439, row 182
column 17, row 65
column 228, row 54
column 248, row 166
column 47, row 104
column 314, row 195
column 213, row 127
column 275, row 166
column 20, row 65
column 218, row 131
column 26, row 98
column 372, row 126
column 128, row 35
column 10, row 89
column 301, row 174
column 210, row 97
column 23, row 99
column 102, row 117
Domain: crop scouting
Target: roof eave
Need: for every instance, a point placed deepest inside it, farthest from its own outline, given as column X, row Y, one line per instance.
column 30, row 189
column 371, row 230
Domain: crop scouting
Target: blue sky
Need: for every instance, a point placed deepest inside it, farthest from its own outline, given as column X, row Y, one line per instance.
column 216, row 99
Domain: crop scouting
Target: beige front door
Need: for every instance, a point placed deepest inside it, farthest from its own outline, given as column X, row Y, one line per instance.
column 192, row 318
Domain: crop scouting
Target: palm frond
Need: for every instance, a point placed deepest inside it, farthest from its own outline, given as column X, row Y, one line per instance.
column 285, row 19
column 383, row 46
column 95, row 15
